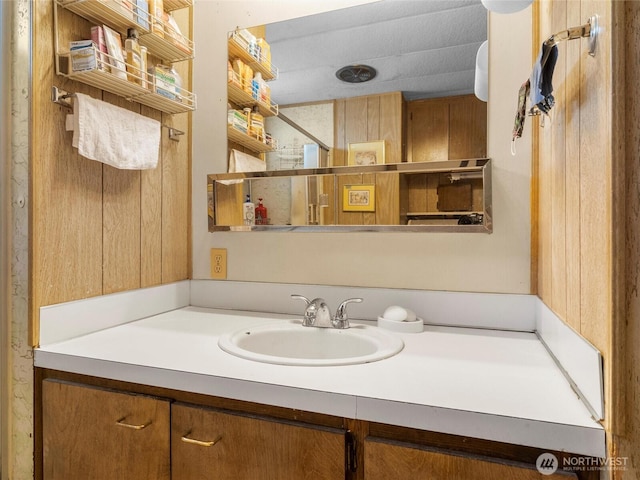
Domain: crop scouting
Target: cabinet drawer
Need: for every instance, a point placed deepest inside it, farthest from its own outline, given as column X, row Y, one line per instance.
column 239, row 447
column 101, row 434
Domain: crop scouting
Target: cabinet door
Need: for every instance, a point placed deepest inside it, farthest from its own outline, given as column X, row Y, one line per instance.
column 208, row 444
column 101, row 434
column 387, row 461
column 450, row 128
column 428, row 131
column 467, row 128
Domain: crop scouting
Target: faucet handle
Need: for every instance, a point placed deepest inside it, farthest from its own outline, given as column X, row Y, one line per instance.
column 341, row 320
column 311, row 311
column 301, row 297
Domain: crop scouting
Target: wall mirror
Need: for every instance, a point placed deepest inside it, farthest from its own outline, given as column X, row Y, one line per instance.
column 291, row 108
column 451, row 196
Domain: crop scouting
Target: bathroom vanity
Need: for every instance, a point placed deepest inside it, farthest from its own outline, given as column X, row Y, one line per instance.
column 157, row 398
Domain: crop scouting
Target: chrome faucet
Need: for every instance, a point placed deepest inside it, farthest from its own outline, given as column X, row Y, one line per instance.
column 317, row 313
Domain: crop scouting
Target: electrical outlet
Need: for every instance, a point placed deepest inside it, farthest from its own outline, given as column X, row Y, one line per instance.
column 219, row 263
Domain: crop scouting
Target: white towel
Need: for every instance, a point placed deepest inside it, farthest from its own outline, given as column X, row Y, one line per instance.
column 242, row 162
column 113, row 135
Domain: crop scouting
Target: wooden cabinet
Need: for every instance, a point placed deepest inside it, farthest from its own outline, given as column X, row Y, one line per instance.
column 238, row 447
column 384, row 460
column 93, row 428
column 101, row 434
column 451, row 128
column 98, row 434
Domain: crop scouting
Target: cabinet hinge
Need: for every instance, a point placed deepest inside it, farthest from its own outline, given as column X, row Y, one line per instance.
column 351, row 458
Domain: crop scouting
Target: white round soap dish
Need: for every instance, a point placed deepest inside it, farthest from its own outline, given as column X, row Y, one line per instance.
column 415, row 326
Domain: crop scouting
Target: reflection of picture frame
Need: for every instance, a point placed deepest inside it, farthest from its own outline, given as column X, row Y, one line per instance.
column 359, row 198
column 369, row 153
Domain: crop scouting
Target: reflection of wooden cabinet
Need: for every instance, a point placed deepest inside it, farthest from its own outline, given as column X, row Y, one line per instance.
column 385, row 460
column 451, row 128
column 242, row 447
column 101, row 434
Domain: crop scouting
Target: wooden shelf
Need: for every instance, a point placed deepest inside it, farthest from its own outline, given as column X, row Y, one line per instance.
column 235, row 135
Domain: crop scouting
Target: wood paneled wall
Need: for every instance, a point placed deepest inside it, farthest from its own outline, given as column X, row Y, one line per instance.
column 95, row 229
column 627, row 444
column 585, row 224
column 367, row 119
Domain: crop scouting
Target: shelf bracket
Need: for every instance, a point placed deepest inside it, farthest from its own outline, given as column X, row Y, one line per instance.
column 174, row 133
column 61, row 97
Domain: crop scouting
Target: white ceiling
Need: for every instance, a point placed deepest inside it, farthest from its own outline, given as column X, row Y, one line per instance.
column 424, row 48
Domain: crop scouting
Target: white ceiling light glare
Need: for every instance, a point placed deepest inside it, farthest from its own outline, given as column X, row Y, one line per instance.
column 481, row 86
column 506, row 6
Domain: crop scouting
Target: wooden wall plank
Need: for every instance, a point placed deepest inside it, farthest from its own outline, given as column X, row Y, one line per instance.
column 391, row 126
column 558, row 171
column 356, row 120
column 175, row 202
column 573, row 52
column 387, row 198
column 374, row 114
column 151, row 218
column 627, row 329
column 339, row 153
column 545, row 258
column 121, row 220
column 595, row 185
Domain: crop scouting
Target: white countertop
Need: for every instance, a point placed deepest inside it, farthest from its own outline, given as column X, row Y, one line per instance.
column 491, row 384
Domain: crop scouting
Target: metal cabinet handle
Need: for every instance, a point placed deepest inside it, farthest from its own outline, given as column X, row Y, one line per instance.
column 121, row 423
column 202, row 443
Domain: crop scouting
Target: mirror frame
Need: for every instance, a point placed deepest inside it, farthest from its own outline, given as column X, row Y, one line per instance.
column 482, row 165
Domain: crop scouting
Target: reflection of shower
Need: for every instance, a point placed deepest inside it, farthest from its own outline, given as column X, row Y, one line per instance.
column 312, row 195
column 308, row 200
column 317, row 200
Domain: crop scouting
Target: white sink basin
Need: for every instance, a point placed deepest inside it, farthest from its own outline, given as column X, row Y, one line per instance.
column 293, row 344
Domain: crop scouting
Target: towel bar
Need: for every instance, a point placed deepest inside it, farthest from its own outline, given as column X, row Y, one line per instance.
column 62, row 97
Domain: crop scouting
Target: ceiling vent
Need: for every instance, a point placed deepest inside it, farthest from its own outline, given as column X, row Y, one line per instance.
column 356, row 73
